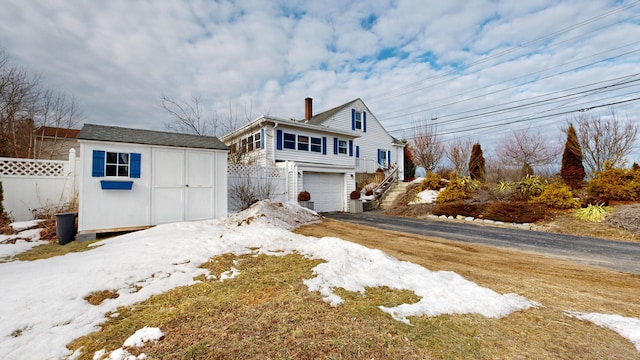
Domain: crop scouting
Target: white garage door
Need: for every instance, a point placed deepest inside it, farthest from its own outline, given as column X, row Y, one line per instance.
column 326, row 190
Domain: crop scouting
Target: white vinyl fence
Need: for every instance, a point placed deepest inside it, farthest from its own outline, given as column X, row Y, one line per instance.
column 37, row 185
column 247, row 182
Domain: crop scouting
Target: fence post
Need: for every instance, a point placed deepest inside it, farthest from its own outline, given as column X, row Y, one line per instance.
column 72, row 173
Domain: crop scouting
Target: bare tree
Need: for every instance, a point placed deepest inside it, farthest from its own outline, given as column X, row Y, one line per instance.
column 605, row 140
column 426, row 147
column 25, row 105
column 458, row 152
column 525, row 148
column 187, row 116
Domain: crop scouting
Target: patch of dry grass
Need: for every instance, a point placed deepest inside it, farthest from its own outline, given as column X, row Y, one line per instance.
column 97, row 297
column 566, row 223
column 264, row 313
column 46, row 251
column 543, row 333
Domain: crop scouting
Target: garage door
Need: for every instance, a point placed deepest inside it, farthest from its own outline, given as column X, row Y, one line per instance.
column 326, row 190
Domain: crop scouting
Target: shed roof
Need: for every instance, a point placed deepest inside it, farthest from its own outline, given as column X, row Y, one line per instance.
column 148, row 137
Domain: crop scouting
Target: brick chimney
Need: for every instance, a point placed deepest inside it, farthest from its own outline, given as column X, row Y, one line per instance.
column 308, row 108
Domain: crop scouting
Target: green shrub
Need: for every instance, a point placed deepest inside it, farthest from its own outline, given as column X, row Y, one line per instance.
column 432, row 181
column 515, row 211
column 455, row 190
column 594, row 213
column 616, row 184
column 530, row 186
column 557, row 195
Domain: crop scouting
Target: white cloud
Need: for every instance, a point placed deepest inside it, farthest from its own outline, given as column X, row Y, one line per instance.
column 118, row 57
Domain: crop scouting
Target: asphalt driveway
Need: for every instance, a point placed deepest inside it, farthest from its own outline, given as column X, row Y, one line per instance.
column 615, row 255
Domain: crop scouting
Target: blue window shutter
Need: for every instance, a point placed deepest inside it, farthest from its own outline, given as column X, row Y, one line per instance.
column 353, row 119
column 389, row 158
column 364, row 121
column 261, row 138
column 335, row 146
column 357, row 151
column 279, row 139
column 97, row 169
column 324, row 145
column 134, row 163
column 379, row 157
column 350, row 147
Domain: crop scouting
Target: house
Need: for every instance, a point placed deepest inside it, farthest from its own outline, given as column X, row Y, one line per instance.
column 132, row 178
column 374, row 148
column 54, row 143
column 321, row 153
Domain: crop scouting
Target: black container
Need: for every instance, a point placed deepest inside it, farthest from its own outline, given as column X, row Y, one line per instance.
column 66, row 227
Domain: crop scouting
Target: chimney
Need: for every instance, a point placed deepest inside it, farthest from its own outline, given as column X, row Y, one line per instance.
column 308, row 108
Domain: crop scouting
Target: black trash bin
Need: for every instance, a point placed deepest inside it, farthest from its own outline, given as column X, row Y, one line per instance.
column 66, row 227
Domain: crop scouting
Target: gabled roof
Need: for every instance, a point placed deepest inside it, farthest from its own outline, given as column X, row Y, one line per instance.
column 321, row 117
column 56, row 132
column 148, row 137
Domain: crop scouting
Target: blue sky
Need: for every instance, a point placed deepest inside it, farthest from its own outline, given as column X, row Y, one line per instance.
column 410, row 61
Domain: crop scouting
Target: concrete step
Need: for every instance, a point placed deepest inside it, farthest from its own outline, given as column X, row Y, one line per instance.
column 390, row 196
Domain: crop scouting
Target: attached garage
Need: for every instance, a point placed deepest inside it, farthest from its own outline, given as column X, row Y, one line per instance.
column 133, row 178
column 326, row 189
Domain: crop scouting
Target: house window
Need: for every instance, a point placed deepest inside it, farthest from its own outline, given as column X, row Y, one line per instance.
column 382, row 158
column 256, row 141
column 316, row 144
column 303, row 143
column 250, row 143
column 117, row 164
column 289, row 141
column 357, row 116
column 342, row 147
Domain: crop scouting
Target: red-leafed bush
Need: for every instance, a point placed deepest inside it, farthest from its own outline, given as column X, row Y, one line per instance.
column 515, row 211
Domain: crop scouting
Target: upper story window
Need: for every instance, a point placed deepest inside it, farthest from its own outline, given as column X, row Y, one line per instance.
column 256, row 141
column 357, row 118
column 342, row 147
column 117, row 164
column 316, row 144
column 303, row 143
column 249, row 143
column 289, row 141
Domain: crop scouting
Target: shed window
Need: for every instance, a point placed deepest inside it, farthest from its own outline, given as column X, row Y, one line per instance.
column 117, row 164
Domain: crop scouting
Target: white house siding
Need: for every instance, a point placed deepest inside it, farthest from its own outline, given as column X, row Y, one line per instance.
column 375, row 137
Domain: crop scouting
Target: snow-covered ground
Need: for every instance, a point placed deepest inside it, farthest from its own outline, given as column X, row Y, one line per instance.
column 43, row 307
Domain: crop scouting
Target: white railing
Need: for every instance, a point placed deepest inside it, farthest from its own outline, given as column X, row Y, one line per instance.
column 385, row 185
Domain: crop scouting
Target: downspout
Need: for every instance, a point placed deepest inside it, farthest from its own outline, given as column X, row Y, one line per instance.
column 273, row 145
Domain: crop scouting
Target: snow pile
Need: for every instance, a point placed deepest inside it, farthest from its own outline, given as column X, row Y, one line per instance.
column 425, row 197
column 629, row 328
column 138, row 339
column 43, row 306
column 284, row 215
column 10, row 245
